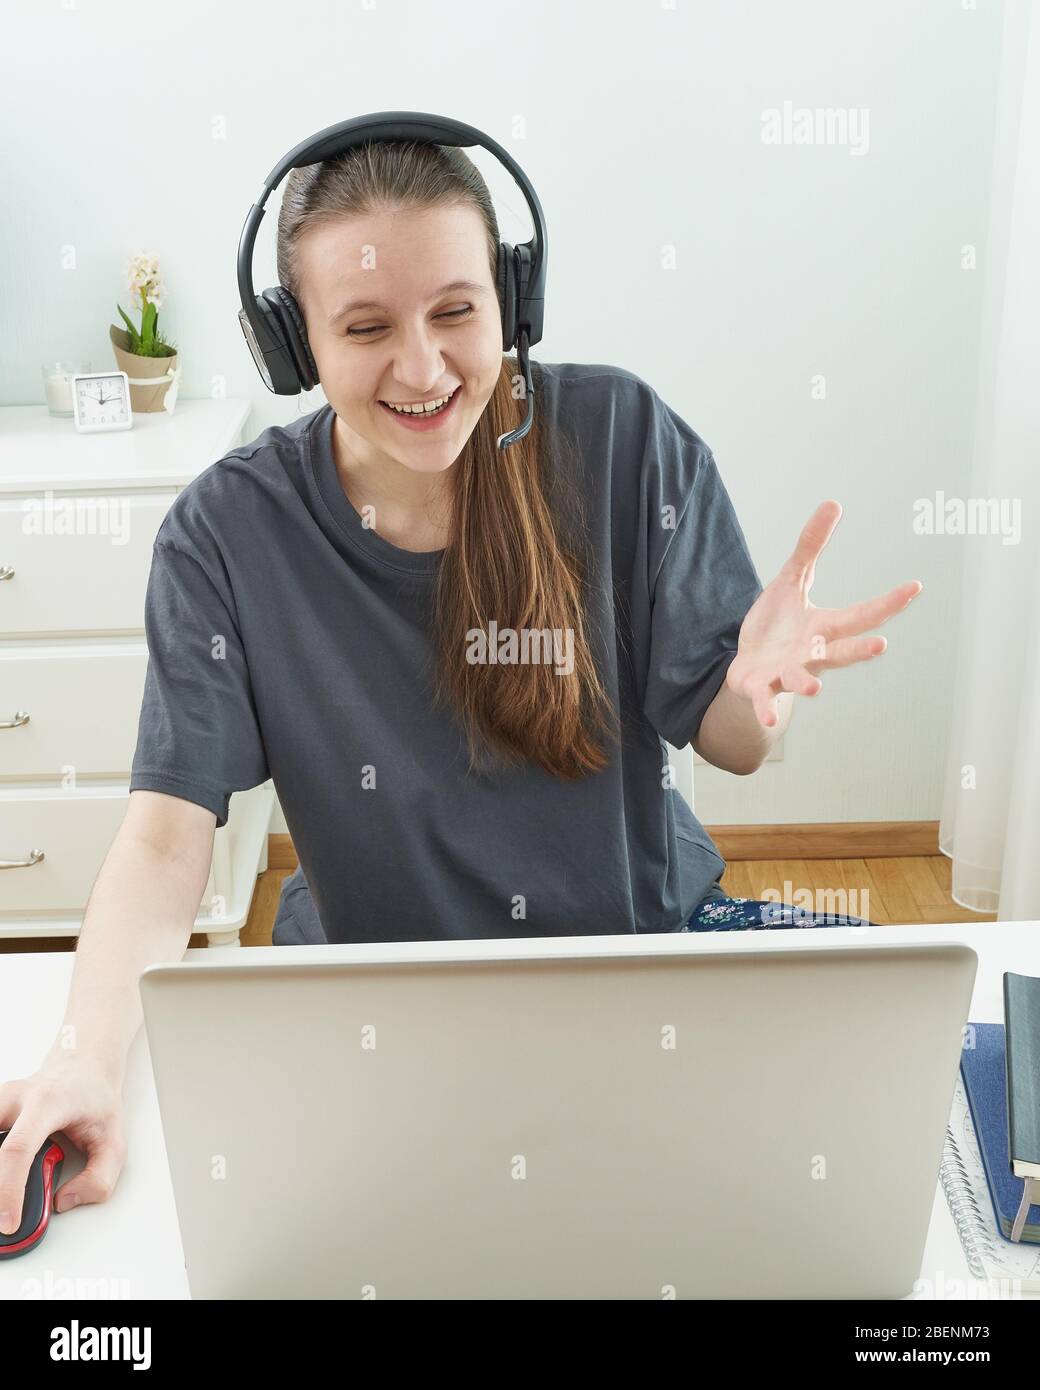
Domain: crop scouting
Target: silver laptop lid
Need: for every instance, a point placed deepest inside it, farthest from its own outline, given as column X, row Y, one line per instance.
column 579, row 1117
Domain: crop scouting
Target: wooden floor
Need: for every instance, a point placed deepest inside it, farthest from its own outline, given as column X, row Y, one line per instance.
column 897, row 891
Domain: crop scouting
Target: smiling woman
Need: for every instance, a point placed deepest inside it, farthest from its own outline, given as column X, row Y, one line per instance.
column 390, row 250
column 394, row 588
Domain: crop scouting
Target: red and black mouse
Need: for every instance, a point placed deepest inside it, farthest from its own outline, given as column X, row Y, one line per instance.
column 40, row 1186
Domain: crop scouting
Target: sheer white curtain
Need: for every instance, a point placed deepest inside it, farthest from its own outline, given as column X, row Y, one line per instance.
column 990, row 825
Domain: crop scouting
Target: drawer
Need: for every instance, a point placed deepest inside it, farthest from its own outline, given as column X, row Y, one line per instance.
column 83, row 702
column 75, row 829
column 92, row 579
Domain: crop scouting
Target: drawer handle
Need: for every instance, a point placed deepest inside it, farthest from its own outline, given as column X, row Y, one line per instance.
column 35, row 855
column 21, row 716
column 6, row 571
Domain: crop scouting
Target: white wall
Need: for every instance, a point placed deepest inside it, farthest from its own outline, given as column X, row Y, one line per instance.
column 640, row 126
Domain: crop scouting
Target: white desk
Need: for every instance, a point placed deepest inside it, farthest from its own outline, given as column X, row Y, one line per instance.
column 129, row 1246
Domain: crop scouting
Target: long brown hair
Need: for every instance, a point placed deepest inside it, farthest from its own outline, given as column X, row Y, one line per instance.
column 518, row 553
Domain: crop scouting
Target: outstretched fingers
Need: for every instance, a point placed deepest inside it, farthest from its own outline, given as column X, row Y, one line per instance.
column 846, row 651
column 849, row 622
column 815, row 534
column 800, row 680
column 763, row 694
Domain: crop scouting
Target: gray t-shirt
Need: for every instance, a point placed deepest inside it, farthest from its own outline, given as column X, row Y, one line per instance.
column 288, row 640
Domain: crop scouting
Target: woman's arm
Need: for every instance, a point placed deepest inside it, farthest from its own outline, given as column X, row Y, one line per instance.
column 140, row 912
column 731, row 736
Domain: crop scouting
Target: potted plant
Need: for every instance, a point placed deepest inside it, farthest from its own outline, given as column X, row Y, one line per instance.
column 147, row 357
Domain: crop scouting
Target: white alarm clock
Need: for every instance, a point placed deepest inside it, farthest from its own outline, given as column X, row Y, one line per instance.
column 101, row 401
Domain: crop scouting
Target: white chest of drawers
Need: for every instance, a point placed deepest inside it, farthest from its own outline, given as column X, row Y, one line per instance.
column 78, row 515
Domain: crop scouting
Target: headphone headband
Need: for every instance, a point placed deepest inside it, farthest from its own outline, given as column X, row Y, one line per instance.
column 268, row 321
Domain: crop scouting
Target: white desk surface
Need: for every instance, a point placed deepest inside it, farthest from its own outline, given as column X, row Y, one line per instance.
column 130, row 1245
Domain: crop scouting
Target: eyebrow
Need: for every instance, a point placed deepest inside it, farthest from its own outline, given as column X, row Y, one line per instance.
column 470, row 286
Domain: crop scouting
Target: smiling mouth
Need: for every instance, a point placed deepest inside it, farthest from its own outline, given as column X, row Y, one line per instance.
column 422, row 414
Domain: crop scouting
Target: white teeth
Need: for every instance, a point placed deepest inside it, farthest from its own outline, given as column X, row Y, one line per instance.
column 425, row 409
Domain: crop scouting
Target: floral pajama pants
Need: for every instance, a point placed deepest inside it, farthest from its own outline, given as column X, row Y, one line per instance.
column 719, row 913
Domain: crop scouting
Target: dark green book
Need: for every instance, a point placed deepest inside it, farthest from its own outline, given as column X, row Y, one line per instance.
column 1022, row 1043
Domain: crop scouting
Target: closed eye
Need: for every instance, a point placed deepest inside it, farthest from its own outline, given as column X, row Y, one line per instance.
column 455, row 314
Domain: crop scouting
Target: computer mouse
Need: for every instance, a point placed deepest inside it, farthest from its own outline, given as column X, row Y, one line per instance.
column 40, row 1186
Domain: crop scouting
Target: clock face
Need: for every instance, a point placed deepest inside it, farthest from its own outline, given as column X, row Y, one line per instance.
column 101, row 400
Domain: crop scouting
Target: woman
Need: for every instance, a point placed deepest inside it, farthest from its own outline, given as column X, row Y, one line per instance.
column 458, row 663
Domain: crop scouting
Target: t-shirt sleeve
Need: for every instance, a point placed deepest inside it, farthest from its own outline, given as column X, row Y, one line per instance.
column 198, row 734
column 702, row 580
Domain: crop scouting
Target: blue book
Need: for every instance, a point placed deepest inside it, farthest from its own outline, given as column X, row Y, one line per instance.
column 983, row 1069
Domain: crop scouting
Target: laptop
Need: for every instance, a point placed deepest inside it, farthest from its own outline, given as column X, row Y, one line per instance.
column 691, row 1116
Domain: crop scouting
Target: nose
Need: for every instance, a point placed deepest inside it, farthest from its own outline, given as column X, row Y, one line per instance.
column 418, row 364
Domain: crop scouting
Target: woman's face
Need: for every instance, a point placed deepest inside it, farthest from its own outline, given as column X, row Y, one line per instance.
column 383, row 328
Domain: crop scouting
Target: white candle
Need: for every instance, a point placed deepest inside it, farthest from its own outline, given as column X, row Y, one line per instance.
column 57, row 383
column 58, row 387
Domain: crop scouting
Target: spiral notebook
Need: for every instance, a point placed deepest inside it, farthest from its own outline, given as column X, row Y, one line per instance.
column 962, row 1174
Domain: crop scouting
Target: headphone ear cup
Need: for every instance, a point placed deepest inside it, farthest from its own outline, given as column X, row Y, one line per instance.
column 505, row 286
column 295, row 333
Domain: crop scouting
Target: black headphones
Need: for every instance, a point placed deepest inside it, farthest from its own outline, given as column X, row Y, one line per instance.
column 272, row 322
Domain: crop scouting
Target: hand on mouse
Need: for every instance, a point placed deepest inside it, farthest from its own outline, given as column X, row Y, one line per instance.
column 785, row 640
column 79, row 1097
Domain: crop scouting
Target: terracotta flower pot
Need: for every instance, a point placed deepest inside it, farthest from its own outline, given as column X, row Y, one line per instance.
column 141, row 370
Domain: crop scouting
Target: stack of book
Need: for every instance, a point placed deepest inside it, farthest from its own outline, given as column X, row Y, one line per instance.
column 991, row 1162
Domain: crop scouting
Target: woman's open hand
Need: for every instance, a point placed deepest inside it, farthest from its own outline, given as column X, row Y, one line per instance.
column 785, row 640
